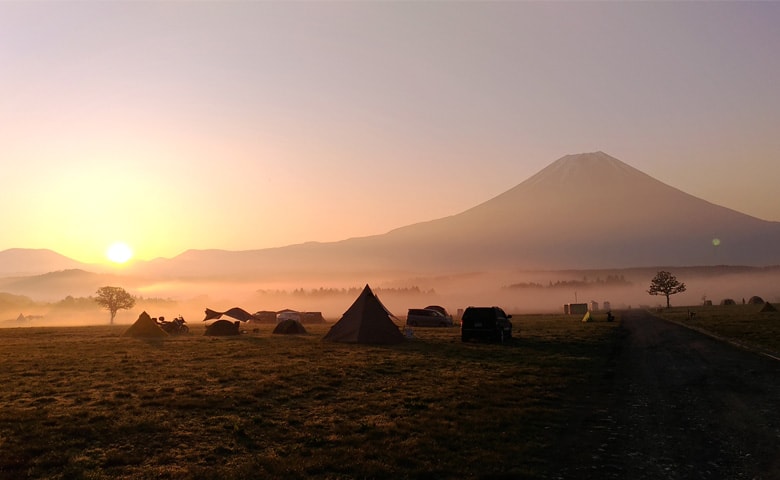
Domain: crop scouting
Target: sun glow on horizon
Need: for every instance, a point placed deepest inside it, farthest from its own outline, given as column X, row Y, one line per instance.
column 119, row 252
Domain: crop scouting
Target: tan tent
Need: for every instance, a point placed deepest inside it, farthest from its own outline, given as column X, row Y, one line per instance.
column 366, row 321
column 264, row 316
column 290, row 327
column 312, row 317
column 145, row 327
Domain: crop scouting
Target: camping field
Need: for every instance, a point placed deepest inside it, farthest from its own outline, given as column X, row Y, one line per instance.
column 743, row 324
column 85, row 402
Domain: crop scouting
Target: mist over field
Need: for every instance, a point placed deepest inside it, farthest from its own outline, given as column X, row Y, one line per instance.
column 516, row 292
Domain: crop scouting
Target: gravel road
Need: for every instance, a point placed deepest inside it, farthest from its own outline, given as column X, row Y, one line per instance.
column 676, row 404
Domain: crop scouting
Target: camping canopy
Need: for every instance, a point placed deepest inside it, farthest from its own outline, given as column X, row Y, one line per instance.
column 145, row 327
column 235, row 312
column 366, row 321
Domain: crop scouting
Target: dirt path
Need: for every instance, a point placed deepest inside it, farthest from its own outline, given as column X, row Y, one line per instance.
column 676, row 404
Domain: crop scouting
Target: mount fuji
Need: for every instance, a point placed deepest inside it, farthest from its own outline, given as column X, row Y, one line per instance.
column 584, row 211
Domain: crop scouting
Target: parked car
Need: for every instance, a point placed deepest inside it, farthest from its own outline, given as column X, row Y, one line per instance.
column 427, row 317
column 439, row 309
column 485, row 323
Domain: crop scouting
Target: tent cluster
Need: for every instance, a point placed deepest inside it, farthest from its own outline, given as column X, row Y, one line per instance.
column 754, row 300
column 263, row 316
column 366, row 321
column 222, row 328
column 766, row 307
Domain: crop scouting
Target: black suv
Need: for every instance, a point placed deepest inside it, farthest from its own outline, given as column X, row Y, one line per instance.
column 485, row 323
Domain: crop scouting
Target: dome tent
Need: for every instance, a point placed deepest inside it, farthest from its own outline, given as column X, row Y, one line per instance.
column 289, row 327
column 223, row 328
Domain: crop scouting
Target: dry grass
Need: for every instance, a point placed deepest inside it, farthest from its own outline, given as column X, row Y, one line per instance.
column 84, row 402
column 744, row 324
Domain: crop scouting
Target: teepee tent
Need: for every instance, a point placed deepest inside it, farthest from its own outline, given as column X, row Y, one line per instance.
column 145, row 327
column 768, row 307
column 366, row 321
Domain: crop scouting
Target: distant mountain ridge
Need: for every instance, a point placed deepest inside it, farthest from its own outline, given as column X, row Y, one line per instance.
column 583, row 211
column 58, row 284
column 34, row 261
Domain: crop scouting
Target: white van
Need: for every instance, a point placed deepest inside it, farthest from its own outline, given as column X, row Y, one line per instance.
column 287, row 315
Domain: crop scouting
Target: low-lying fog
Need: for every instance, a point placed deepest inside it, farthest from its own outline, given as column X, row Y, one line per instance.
column 526, row 292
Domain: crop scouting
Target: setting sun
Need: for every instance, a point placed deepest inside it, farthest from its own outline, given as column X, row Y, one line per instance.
column 119, row 252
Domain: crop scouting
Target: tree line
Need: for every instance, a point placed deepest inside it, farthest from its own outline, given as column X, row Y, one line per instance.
column 110, row 298
column 610, row 280
column 351, row 291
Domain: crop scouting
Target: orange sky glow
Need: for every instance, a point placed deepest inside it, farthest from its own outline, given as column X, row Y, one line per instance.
column 243, row 125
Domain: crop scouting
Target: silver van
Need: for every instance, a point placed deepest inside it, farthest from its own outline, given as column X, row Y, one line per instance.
column 427, row 317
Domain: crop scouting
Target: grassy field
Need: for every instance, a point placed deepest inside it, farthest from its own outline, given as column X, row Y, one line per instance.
column 744, row 324
column 84, row 402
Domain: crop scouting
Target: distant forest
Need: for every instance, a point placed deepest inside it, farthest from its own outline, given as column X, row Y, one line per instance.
column 352, row 291
column 610, row 280
column 10, row 301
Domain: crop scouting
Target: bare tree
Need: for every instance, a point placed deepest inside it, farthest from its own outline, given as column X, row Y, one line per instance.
column 664, row 283
column 114, row 299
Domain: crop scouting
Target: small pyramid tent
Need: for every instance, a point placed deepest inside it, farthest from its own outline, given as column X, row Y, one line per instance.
column 289, row 327
column 366, row 321
column 768, row 307
column 145, row 327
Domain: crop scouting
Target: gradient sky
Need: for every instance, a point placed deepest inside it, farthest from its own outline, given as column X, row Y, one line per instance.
column 242, row 125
